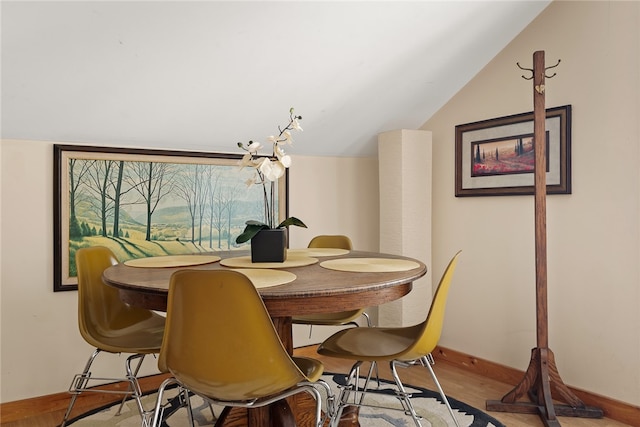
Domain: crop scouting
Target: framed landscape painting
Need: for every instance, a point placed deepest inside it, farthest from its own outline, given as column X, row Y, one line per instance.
column 142, row 203
column 496, row 157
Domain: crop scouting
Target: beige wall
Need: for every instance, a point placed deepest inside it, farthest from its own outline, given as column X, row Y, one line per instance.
column 593, row 240
column 335, row 195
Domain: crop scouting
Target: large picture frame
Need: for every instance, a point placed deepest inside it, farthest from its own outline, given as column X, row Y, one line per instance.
column 495, row 157
column 143, row 202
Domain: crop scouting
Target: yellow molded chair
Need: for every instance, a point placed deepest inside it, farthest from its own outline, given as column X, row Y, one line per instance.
column 220, row 344
column 340, row 318
column 111, row 326
column 331, row 241
column 401, row 347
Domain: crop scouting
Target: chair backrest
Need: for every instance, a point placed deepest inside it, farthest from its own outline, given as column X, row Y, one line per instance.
column 337, row 241
column 219, row 340
column 100, row 309
column 428, row 332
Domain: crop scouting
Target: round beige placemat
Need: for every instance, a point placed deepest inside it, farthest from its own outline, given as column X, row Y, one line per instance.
column 370, row 265
column 264, row 277
column 291, row 261
column 318, row 251
column 172, row 261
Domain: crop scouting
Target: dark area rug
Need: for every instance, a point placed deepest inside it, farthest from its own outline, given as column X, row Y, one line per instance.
column 427, row 403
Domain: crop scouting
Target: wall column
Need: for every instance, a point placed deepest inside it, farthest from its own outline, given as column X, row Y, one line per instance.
column 405, row 161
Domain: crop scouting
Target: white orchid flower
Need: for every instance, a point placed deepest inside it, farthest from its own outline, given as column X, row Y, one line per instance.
column 282, row 157
column 287, row 137
column 285, row 160
column 277, row 169
column 271, row 170
column 264, row 167
column 254, row 147
column 247, row 160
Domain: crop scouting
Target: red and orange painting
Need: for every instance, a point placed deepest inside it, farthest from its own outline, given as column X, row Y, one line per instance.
column 513, row 155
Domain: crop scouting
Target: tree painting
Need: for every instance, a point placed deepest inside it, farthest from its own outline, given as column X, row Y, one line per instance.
column 513, row 155
column 142, row 205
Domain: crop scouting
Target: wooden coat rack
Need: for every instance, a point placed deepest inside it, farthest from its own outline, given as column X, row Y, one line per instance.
column 541, row 381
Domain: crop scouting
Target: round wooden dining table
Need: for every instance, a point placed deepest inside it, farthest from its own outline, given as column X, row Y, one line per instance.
column 321, row 284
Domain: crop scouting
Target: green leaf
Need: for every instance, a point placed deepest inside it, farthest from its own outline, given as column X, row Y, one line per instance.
column 250, row 230
column 254, row 222
column 252, row 227
column 292, row 221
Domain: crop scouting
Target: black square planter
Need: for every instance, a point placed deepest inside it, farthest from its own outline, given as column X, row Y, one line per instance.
column 269, row 245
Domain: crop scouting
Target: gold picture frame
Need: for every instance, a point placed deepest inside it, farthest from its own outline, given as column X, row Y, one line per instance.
column 143, row 202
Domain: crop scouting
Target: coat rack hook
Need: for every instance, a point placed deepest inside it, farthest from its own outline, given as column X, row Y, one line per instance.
column 525, row 69
column 548, row 68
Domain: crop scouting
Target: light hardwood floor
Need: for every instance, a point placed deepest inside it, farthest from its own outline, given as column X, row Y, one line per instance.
column 468, row 387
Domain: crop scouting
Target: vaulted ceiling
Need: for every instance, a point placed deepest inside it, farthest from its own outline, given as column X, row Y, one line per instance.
column 205, row 75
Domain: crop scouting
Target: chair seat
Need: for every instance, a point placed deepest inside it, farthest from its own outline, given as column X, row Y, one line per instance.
column 236, row 391
column 144, row 337
column 328, row 319
column 370, row 344
column 252, row 387
column 311, row 368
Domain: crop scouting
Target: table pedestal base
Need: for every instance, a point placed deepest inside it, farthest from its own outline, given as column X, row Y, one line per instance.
column 277, row 414
column 280, row 414
column 349, row 417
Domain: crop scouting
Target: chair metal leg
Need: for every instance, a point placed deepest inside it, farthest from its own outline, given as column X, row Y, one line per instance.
column 330, row 400
column 80, row 383
column 134, row 386
column 373, row 366
column 66, row 414
column 402, row 395
column 158, row 411
column 428, row 361
column 341, row 403
column 156, row 417
column 318, row 398
column 345, row 392
column 369, row 325
column 405, row 397
column 366, row 316
column 187, row 400
column 190, row 408
column 163, row 411
column 352, row 386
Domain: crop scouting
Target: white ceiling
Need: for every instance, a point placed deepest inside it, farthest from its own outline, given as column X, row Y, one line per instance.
column 205, row 75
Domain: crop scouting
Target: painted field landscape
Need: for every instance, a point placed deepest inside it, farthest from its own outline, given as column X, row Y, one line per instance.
column 142, row 209
column 503, row 157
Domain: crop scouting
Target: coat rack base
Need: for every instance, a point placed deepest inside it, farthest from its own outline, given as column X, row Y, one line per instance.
column 542, row 384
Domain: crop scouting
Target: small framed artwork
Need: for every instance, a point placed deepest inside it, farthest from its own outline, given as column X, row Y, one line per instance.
column 143, row 203
column 495, row 157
